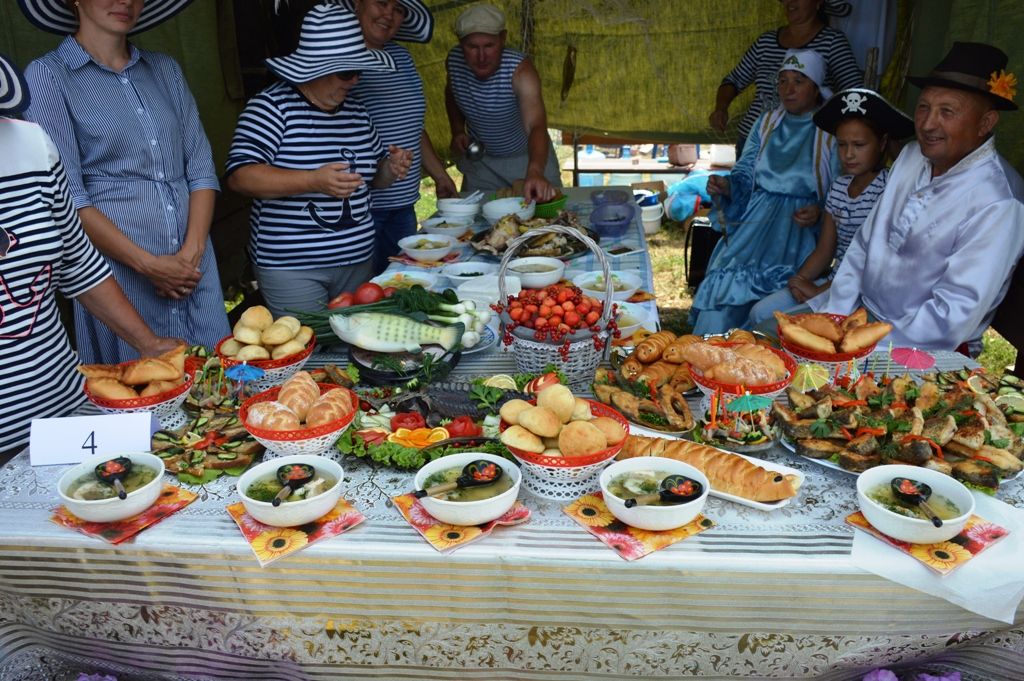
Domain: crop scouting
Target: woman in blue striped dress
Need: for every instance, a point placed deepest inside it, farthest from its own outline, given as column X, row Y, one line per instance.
column 138, row 164
column 308, row 154
column 397, row 107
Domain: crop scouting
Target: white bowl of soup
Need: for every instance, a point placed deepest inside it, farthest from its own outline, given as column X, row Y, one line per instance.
column 460, row 272
column 258, row 486
column 536, row 271
column 95, row 501
column 471, row 505
column 630, row 317
column 950, row 500
column 512, row 205
column 624, row 284
column 630, row 478
column 447, row 226
column 427, row 247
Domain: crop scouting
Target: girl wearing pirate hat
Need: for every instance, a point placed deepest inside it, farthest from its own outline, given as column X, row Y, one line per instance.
column 863, row 123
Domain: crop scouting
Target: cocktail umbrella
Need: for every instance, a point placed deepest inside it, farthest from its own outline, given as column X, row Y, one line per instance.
column 810, row 377
column 242, row 373
column 912, row 358
column 748, row 404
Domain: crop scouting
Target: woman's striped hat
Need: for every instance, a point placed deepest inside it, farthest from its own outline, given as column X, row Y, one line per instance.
column 56, row 17
column 14, row 95
column 330, row 41
column 418, row 25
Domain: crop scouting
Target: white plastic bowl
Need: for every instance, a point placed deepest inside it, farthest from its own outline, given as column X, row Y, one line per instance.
column 513, row 205
column 405, row 279
column 456, row 208
column 447, row 226
column 638, row 313
column 537, row 279
column 109, row 510
column 469, row 512
column 292, row 513
column 654, row 518
column 484, row 289
column 408, row 246
column 459, row 273
column 904, row 528
column 588, row 281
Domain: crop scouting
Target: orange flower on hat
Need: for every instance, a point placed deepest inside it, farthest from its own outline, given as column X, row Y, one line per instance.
column 1003, row 84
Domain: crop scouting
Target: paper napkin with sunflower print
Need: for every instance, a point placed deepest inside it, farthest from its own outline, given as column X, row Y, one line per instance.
column 271, row 543
column 171, row 500
column 630, row 543
column 445, row 537
column 944, row 557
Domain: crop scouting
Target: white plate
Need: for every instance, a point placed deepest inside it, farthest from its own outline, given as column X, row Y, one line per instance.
column 487, row 340
column 767, row 465
column 836, row 467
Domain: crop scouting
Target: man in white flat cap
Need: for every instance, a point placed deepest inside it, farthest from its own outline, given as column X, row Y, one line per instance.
column 496, row 112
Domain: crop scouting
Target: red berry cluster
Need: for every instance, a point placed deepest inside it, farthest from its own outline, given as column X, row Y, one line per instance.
column 553, row 314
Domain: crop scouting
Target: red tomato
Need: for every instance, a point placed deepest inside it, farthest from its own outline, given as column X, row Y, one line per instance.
column 340, row 300
column 463, row 426
column 407, row 419
column 389, row 291
column 368, row 293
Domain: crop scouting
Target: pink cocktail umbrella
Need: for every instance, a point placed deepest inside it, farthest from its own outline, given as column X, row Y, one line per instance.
column 912, row 358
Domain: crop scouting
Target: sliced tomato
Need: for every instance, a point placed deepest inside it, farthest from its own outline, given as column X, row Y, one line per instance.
column 341, row 300
column 389, row 291
column 369, row 292
column 463, row 426
column 408, row 419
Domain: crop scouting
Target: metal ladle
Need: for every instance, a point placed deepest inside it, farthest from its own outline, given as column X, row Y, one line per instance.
column 292, row 476
column 675, row 489
column 113, row 472
column 475, row 474
column 917, row 493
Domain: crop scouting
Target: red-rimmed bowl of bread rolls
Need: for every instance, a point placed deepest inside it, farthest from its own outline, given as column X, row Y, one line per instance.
column 156, row 384
column 299, row 417
column 830, row 338
column 562, row 441
column 735, row 368
column 279, row 347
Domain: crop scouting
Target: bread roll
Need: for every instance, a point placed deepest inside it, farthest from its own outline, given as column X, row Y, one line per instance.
column 613, row 432
column 631, row 368
column 304, row 335
column 552, row 451
column 859, row 317
column 287, row 349
column 158, row 387
column 726, row 472
column 273, row 416
column 332, row 405
column 681, row 379
column 581, row 412
column 865, row 336
column 110, row 389
column 559, row 400
column 550, row 442
column 149, row 369
column 247, row 335
column 540, row 421
column 252, row 352
column 659, row 372
column 673, row 353
column 299, row 393
column 740, row 336
column 230, row 347
column 256, row 317
column 291, row 322
column 581, row 438
column 510, row 410
column 798, row 335
column 176, row 357
column 100, row 371
column 520, row 438
column 821, row 325
column 650, row 349
column 277, row 333
column 759, row 353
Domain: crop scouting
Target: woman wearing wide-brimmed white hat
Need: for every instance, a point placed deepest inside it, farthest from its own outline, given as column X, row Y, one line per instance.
column 397, row 105
column 308, row 154
column 42, row 249
column 138, row 163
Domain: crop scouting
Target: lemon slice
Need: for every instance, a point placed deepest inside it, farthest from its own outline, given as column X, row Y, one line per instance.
column 1014, row 402
column 978, row 384
column 503, row 381
column 810, row 377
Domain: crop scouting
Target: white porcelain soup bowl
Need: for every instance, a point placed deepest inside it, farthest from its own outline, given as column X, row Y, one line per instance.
column 592, row 284
column 654, row 518
column 447, row 226
column 292, row 513
column 460, row 272
column 457, row 208
column 513, row 205
column 630, row 317
column 469, row 512
column 109, row 510
column 904, row 528
column 551, row 271
column 414, row 246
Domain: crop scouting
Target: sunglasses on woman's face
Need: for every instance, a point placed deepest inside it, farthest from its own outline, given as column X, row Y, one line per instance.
column 347, row 75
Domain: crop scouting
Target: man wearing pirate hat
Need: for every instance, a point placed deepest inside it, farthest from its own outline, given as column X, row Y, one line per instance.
column 935, row 257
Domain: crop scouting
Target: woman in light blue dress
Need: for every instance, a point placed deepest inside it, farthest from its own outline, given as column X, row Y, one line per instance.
column 771, row 202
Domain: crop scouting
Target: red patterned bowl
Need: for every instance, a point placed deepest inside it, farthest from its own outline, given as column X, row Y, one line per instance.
column 315, row 440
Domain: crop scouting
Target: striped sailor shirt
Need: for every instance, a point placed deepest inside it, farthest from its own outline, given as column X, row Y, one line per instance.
column 134, row 148
column 47, row 250
column 490, row 106
column 849, row 213
column 280, row 127
column 760, row 66
column 397, row 107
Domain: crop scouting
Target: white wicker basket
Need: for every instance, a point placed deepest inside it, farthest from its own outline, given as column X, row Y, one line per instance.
column 531, row 355
column 275, row 371
column 562, row 484
column 166, row 408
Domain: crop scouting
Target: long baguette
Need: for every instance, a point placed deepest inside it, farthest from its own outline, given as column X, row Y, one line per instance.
column 726, row 472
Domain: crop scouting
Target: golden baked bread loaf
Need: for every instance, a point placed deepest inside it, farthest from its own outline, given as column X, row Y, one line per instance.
column 740, row 336
column 273, row 416
column 149, row 369
column 100, row 371
column 520, row 438
column 798, row 335
column 864, row 336
column 299, row 393
column 331, row 406
column 759, row 353
column 703, row 356
column 110, row 389
column 631, row 368
column 820, row 325
column 581, row 438
column 658, row 373
column 674, row 352
column 726, row 472
column 650, row 348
